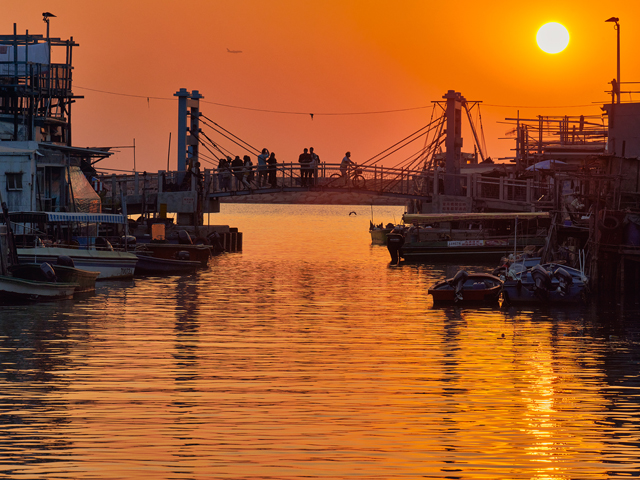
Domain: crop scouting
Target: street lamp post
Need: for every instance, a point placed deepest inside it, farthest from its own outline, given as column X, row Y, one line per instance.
column 615, row 20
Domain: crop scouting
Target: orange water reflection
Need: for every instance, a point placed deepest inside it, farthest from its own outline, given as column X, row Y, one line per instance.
column 307, row 355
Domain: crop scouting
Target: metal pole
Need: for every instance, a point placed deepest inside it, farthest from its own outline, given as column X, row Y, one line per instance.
column 617, row 26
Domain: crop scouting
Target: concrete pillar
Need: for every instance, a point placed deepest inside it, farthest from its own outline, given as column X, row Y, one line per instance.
column 182, row 95
column 453, row 142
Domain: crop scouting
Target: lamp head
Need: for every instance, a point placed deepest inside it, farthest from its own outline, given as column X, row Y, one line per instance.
column 613, row 19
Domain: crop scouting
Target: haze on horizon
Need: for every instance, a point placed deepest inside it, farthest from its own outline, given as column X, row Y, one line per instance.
column 327, row 58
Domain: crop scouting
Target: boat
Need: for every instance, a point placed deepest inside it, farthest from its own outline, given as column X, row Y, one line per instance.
column 72, row 235
column 467, row 287
column 450, row 236
column 150, row 265
column 13, row 289
column 549, row 283
column 379, row 233
column 64, row 272
column 198, row 253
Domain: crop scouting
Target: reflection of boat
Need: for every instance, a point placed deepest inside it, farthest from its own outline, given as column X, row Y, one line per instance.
column 150, row 265
column 467, row 287
column 547, row 283
column 479, row 235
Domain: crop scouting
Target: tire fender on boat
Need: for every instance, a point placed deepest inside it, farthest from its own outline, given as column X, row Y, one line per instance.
column 609, row 223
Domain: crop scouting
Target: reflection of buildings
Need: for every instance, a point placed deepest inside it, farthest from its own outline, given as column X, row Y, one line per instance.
column 40, row 169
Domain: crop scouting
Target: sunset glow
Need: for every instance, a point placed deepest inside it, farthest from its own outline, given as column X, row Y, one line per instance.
column 342, row 61
column 553, row 37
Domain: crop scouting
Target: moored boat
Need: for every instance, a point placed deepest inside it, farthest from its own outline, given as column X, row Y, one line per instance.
column 150, row 265
column 85, row 279
column 379, row 233
column 549, row 283
column 198, row 253
column 73, row 235
column 488, row 236
column 14, row 289
column 467, row 287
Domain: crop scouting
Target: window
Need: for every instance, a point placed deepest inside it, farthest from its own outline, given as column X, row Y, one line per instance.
column 14, row 181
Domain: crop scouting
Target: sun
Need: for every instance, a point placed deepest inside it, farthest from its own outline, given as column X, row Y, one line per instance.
column 552, row 37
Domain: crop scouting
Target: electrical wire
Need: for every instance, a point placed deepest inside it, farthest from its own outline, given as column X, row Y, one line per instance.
column 284, row 112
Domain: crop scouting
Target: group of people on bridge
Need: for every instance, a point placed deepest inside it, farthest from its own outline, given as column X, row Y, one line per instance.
column 241, row 174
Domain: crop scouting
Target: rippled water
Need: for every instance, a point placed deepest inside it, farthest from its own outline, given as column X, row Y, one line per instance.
column 308, row 356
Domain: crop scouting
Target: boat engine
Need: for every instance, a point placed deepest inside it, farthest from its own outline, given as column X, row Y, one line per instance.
column 457, row 283
column 184, row 238
column 395, row 241
column 182, row 255
column 542, row 282
column 565, row 280
column 48, row 272
column 65, row 261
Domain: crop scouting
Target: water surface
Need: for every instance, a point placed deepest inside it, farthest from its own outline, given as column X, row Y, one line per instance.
column 308, row 356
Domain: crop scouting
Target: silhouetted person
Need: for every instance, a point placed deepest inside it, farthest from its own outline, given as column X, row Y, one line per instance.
column 236, row 167
column 273, row 170
column 315, row 161
column 304, row 159
column 223, row 174
column 262, row 167
column 345, row 165
column 249, row 174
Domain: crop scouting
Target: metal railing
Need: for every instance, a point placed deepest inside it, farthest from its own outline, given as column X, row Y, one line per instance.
column 370, row 179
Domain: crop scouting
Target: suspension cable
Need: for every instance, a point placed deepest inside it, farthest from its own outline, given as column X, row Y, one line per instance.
column 234, row 136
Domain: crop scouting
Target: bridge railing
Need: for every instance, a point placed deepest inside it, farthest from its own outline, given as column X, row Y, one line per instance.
column 376, row 179
column 327, row 175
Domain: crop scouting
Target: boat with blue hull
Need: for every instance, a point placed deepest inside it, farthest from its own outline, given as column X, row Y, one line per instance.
column 549, row 283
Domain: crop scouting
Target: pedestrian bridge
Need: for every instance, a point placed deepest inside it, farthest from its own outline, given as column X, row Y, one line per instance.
column 145, row 192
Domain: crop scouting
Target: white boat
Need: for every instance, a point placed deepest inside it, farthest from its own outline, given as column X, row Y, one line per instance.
column 110, row 263
column 17, row 289
column 91, row 252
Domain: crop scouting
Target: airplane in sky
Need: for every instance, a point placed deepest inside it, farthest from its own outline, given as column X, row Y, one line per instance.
column 234, row 51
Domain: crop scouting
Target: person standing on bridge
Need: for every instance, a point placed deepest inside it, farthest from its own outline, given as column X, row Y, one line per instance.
column 249, row 174
column 305, row 168
column 262, row 168
column 345, row 165
column 273, row 170
column 237, row 167
column 315, row 161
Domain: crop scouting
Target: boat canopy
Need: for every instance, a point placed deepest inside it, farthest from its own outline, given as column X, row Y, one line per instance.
column 414, row 218
column 69, row 217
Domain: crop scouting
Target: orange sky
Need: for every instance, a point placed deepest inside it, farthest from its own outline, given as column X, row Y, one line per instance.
column 329, row 56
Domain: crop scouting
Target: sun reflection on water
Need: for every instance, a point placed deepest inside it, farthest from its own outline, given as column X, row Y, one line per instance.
column 308, row 355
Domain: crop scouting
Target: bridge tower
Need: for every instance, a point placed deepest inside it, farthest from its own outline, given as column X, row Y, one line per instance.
column 453, row 142
column 188, row 113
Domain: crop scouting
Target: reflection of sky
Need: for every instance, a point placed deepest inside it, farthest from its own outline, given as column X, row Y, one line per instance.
column 308, row 355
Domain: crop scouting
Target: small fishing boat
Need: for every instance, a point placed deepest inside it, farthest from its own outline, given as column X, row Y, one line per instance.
column 151, row 265
column 13, row 289
column 198, row 253
column 379, row 233
column 64, row 272
column 549, row 283
column 467, row 287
